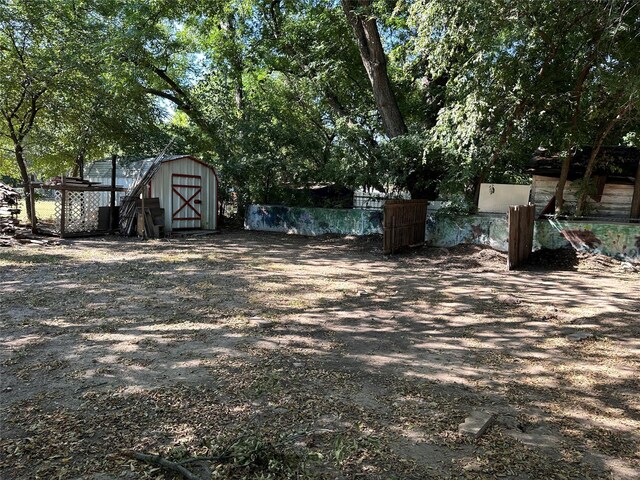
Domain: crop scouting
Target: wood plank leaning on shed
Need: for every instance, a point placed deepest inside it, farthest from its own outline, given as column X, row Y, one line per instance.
column 128, row 208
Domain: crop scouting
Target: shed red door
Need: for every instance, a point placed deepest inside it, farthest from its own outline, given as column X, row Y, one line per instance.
column 186, row 203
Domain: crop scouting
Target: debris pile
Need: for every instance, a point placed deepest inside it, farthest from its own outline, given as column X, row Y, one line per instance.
column 568, row 259
column 11, row 232
column 22, row 235
column 9, row 209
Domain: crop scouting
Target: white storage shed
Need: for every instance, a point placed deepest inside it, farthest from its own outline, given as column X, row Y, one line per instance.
column 186, row 189
column 188, row 193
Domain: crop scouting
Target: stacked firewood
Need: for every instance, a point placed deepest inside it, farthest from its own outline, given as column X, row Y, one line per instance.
column 9, row 210
column 7, row 230
column 9, row 199
column 11, row 232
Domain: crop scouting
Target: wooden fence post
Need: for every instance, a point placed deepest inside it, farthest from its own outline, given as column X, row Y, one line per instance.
column 32, row 206
column 63, row 211
column 404, row 224
column 635, row 201
column 521, row 223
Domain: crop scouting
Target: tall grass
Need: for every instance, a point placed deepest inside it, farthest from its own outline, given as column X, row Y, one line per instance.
column 45, row 210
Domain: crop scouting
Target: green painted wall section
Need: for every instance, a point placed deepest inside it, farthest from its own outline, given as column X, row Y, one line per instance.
column 620, row 240
column 445, row 231
column 313, row 221
column 614, row 239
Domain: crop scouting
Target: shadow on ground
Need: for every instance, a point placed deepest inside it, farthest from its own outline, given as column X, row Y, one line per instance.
column 362, row 365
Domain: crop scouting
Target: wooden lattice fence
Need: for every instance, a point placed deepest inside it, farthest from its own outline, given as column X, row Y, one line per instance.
column 404, row 224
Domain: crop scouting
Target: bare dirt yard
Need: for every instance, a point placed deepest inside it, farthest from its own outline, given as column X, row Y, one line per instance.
column 247, row 355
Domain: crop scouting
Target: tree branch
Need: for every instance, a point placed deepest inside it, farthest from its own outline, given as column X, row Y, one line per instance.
column 164, row 463
column 33, row 111
column 19, row 104
column 170, row 81
column 622, row 111
column 165, row 95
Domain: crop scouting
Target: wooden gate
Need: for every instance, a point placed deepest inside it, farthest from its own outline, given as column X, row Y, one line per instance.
column 521, row 219
column 186, row 204
column 404, row 224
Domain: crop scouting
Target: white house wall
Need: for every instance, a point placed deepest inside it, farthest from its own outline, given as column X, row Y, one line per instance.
column 161, row 188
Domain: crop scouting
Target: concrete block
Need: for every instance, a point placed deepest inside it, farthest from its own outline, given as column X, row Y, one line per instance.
column 477, row 423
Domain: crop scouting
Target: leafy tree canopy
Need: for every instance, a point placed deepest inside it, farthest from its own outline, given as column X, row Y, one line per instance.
column 280, row 94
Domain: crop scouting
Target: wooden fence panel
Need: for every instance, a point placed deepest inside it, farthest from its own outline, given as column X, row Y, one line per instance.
column 521, row 220
column 404, row 224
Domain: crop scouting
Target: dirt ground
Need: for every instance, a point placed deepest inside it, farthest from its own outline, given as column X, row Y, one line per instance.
column 277, row 356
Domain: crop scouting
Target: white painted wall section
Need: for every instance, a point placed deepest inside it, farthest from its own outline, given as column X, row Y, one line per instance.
column 497, row 197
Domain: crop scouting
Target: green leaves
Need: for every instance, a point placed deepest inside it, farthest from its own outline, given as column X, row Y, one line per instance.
column 69, row 95
column 274, row 93
column 515, row 76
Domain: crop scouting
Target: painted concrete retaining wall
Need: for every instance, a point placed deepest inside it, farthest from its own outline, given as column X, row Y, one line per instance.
column 614, row 239
column 491, row 230
column 620, row 240
column 313, row 221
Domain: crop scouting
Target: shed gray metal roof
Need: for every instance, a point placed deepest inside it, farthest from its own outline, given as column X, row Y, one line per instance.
column 618, row 164
column 125, row 168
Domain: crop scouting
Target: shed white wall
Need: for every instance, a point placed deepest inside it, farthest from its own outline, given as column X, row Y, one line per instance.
column 616, row 199
column 161, row 187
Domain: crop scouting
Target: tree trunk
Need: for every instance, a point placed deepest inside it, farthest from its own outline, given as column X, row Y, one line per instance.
column 239, row 95
column 267, row 189
column 18, row 132
column 236, row 63
column 582, row 198
column 562, row 181
column 577, row 98
column 374, row 61
column 26, row 181
column 78, row 166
